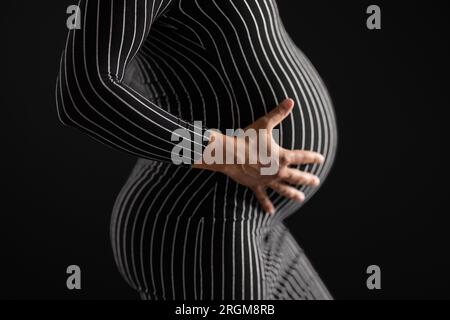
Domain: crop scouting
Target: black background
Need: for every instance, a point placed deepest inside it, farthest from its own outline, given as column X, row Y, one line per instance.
column 382, row 203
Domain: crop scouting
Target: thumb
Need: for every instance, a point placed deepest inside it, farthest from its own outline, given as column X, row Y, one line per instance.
column 280, row 113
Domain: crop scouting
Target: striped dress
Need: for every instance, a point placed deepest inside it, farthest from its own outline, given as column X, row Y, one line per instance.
column 136, row 71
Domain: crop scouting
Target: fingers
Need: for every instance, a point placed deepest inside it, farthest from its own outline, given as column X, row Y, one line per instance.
column 297, row 177
column 264, row 199
column 300, row 157
column 288, row 191
column 278, row 114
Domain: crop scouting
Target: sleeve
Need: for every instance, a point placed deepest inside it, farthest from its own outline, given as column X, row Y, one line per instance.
column 91, row 96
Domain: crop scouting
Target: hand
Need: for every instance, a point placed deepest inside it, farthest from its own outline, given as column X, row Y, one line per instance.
column 250, row 173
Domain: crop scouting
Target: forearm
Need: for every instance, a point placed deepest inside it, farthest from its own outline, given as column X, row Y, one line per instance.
column 91, row 96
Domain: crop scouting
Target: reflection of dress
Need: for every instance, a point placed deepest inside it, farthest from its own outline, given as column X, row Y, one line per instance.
column 138, row 70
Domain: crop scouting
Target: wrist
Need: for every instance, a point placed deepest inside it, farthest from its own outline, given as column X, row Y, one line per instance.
column 216, row 141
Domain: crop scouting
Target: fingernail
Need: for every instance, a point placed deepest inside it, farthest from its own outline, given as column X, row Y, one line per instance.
column 286, row 102
column 316, row 181
column 321, row 159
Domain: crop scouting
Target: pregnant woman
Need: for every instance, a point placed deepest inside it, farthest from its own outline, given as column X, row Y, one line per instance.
column 137, row 71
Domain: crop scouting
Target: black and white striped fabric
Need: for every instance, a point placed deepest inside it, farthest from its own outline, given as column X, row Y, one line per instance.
column 139, row 69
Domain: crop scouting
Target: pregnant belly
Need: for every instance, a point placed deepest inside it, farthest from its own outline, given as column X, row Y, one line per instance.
column 311, row 125
column 235, row 102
